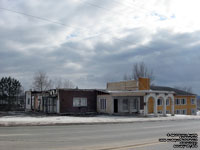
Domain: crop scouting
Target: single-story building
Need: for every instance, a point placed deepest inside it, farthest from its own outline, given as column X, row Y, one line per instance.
column 125, row 97
column 63, row 101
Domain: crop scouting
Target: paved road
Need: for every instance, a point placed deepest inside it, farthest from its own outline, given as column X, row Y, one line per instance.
column 126, row 136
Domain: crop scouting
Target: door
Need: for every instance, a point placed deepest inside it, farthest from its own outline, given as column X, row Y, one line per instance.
column 115, row 105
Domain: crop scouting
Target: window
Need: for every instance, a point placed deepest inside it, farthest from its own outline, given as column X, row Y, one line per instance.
column 135, row 104
column 32, row 101
column 183, row 101
column 159, row 102
column 167, row 102
column 177, row 111
column 55, row 102
column 167, row 111
column 192, row 101
column 79, row 102
column 102, row 104
column 125, row 104
column 181, row 111
column 177, row 101
column 50, row 101
column 28, row 101
column 193, row 112
column 159, row 111
column 184, row 112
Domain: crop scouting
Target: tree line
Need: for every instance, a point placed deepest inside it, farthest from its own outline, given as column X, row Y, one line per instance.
column 11, row 94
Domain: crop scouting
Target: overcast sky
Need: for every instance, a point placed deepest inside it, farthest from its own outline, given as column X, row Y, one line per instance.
column 91, row 42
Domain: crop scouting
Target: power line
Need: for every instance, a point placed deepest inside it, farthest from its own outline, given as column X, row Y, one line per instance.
column 62, row 24
column 106, row 9
column 139, row 8
column 58, row 22
column 97, row 6
column 119, row 3
column 129, row 7
column 36, row 17
column 47, row 20
column 100, row 34
column 55, row 22
column 101, row 7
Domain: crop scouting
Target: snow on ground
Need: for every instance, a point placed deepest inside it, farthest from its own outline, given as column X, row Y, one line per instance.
column 198, row 113
column 56, row 120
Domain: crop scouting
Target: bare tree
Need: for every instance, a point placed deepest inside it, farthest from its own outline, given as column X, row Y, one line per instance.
column 140, row 70
column 68, row 84
column 41, row 82
column 127, row 77
column 60, row 83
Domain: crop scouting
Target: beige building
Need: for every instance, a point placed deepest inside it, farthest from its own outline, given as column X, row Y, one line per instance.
column 139, row 98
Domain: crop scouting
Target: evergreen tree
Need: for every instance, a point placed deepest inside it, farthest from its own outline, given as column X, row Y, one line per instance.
column 9, row 91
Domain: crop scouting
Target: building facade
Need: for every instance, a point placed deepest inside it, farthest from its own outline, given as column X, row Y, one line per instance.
column 121, row 98
column 77, row 101
column 62, row 101
column 138, row 97
column 34, row 100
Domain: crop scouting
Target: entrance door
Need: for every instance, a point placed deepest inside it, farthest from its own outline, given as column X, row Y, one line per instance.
column 115, row 105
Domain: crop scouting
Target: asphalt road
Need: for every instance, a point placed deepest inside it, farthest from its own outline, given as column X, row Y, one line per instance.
column 126, row 136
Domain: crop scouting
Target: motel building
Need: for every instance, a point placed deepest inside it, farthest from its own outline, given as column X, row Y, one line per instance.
column 139, row 98
column 119, row 98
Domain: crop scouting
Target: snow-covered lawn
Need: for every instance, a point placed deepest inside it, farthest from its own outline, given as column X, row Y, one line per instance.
column 56, row 120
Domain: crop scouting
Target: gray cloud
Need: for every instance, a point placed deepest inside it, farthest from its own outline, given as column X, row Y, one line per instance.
column 34, row 45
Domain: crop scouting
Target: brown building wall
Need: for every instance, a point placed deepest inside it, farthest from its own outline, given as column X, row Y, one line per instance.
column 144, row 83
column 66, row 101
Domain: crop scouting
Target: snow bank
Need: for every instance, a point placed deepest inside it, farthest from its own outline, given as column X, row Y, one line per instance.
column 58, row 120
column 198, row 113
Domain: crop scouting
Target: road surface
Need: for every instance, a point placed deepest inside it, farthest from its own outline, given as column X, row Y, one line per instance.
column 125, row 136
